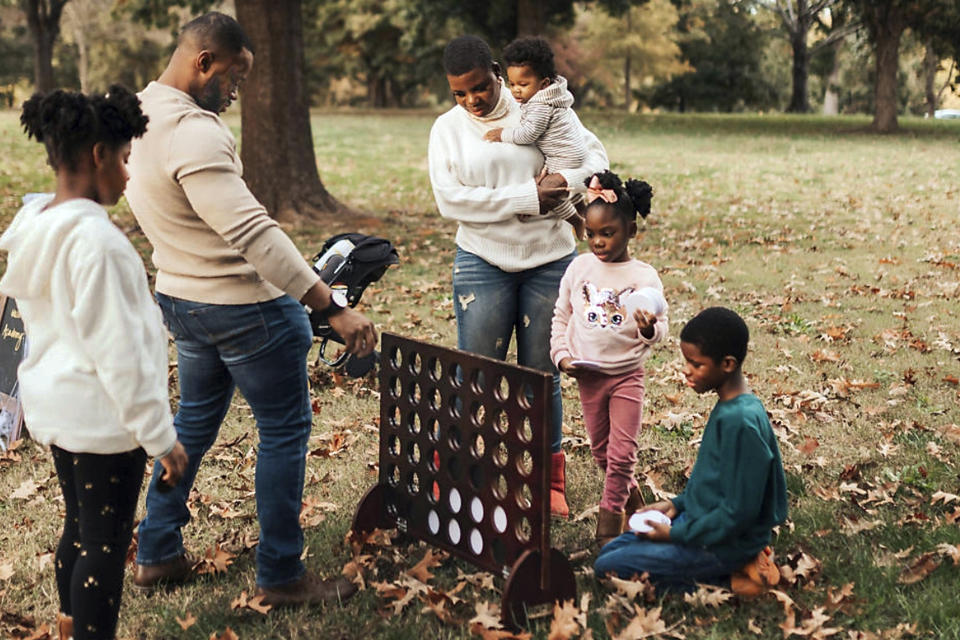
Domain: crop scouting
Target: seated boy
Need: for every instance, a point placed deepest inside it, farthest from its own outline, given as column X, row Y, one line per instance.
column 721, row 521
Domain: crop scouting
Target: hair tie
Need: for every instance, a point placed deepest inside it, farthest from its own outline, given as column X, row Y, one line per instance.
column 595, row 190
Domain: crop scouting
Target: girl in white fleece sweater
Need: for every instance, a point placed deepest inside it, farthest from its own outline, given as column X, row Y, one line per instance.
column 94, row 382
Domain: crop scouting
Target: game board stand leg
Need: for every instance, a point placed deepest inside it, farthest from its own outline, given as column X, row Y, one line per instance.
column 526, row 585
column 371, row 513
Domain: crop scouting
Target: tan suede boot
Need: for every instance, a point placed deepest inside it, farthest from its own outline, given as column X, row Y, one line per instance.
column 609, row 525
column 634, row 504
column 558, row 486
column 64, row 627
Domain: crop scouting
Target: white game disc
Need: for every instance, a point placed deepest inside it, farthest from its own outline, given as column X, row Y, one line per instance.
column 639, row 521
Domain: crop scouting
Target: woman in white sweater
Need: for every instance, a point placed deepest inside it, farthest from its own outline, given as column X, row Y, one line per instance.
column 94, row 382
column 512, row 250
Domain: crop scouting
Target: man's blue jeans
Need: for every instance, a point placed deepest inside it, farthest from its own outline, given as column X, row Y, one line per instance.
column 261, row 349
column 672, row 567
column 490, row 304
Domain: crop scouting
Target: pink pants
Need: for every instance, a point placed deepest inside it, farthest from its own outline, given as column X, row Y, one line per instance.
column 612, row 409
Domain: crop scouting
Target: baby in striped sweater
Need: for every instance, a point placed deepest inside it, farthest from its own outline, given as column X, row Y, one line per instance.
column 546, row 118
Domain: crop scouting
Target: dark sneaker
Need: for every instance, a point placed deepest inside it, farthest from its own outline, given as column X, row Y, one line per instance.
column 309, row 589
column 148, row 577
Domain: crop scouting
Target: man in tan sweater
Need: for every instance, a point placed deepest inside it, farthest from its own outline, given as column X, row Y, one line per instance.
column 230, row 283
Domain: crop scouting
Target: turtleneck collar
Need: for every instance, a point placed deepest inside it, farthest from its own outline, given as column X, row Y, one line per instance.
column 499, row 110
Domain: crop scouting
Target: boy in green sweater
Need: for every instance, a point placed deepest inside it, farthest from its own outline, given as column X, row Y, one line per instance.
column 720, row 523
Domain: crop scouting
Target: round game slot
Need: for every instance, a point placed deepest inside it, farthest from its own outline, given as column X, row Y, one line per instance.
column 395, row 358
column 454, row 405
column 455, row 468
column 393, row 446
column 500, row 487
column 502, row 389
column 434, row 368
column 501, row 455
column 414, row 395
column 477, row 413
column 454, row 500
column 413, row 422
column 413, row 453
column 524, row 496
column 476, row 477
column 393, row 475
column 476, row 542
column 454, row 438
column 433, row 399
column 498, row 550
column 416, row 363
column 525, row 463
column 523, row 530
column 501, row 421
column 433, row 429
column 453, row 531
column 479, row 446
column 525, row 397
column 433, row 460
column 455, row 374
column 433, row 522
column 413, row 483
column 478, row 381
column 476, row 510
column 525, row 432
column 499, row 519
column 393, row 416
column 394, row 386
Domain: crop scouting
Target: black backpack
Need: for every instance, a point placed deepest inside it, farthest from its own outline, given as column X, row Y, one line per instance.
column 350, row 262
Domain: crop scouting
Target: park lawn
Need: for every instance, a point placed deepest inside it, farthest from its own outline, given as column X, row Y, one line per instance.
column 841, row 250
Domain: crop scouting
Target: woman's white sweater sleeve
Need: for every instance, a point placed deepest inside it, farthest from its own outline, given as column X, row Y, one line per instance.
column 121, row 331
column 479, row 204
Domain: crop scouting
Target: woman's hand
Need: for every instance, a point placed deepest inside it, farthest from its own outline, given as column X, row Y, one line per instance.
column 645, row 321
column 493, row 135
column 551, row 189
column 174, row 464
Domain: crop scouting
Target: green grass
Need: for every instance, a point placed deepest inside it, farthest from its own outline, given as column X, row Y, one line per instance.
column 840, row 249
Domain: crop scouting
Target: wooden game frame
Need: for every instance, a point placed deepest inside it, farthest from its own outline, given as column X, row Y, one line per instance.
column 465, row 466
column 9, row 399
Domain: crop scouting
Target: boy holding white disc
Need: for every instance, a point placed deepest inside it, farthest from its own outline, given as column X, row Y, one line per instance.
column 719, row 527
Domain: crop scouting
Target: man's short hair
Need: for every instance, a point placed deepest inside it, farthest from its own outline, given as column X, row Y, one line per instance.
column 217, row 32
column 466, row 53
column 718, row 332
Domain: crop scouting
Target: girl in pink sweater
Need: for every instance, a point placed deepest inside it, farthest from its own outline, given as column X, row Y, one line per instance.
column 609, row 313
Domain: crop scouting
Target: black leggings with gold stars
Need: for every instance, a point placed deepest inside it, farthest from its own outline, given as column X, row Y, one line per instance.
column 100, row 495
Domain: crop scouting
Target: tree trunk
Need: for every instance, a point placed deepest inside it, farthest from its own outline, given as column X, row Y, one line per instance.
column 799, row 100
column 531, row 18
column 831, row 97
column 627, row 98
column 931, row 62
column 888, row 25
column 43, row 20
column 277, row 144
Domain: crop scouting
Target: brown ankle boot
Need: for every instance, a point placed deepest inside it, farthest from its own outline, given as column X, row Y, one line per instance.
column 634, row 503
column 609, row 525
column 64, row 627
column 558, row 486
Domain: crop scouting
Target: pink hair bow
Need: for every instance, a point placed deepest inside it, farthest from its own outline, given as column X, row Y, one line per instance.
column 594, row 191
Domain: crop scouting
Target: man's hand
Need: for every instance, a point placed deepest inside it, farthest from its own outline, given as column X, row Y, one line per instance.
column 551, row 189
column 357, row 331
column 174, row 464
column 660, row 532
column 665, row 507
column 493, row 135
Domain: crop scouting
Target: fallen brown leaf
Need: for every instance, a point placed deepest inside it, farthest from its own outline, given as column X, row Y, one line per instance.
column 920, row 568
column 431, row 559
column 187, row 621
